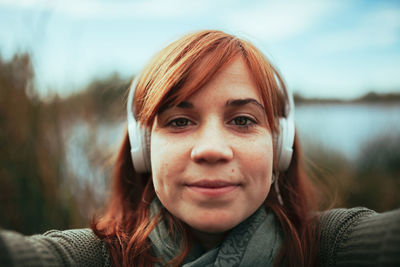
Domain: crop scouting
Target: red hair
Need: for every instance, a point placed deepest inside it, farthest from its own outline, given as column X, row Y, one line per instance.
column 177, row 72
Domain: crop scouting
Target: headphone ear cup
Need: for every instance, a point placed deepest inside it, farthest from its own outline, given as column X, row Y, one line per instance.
column 139, row 137
column 284, row 143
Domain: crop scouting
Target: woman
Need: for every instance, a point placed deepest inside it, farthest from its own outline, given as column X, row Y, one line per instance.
column 210, row 174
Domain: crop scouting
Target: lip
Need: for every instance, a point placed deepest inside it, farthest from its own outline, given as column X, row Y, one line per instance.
column 213, row 188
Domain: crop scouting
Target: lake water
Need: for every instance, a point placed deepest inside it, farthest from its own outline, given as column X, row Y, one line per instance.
column 346, row 128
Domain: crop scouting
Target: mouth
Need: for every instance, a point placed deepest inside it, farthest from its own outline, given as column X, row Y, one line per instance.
column 213, row 188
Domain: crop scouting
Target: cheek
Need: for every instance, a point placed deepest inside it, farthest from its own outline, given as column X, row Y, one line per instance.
column 159, row 166
column 259, row 152
column 166, row 164
column 257, row 161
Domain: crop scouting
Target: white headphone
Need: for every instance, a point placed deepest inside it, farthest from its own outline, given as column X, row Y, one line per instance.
column 285, row 139
column 139, row 137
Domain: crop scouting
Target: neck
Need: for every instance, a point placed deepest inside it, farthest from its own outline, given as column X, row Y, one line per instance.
column 208, row 240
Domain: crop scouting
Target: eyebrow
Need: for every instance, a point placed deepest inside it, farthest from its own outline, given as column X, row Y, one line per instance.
column 185, row 105
column 229, row 103
column 243, row 102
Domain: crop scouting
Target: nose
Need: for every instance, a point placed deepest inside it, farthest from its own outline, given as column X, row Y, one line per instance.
column 212, row 145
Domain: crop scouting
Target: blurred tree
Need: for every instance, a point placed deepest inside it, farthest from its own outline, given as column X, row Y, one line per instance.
column 372, row 180
column 102, row 99
column 31, row 157
column 376, row 182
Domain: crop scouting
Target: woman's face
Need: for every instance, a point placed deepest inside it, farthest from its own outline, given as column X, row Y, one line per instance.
column 211, row 155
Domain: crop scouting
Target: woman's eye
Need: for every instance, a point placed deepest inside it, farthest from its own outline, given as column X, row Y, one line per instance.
column 179, row 122
column 243, row 121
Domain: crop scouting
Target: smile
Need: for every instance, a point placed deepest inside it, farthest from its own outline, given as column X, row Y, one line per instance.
column 213, row 188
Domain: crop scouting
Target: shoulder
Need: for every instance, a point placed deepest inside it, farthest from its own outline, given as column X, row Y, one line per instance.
column 79, row 247
column 358, row 237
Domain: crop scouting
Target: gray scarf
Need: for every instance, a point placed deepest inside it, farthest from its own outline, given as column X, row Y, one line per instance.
column 254, row 242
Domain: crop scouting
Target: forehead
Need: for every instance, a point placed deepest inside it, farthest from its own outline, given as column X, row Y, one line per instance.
column 233, row 81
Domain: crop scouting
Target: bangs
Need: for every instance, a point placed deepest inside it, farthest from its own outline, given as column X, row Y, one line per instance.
column 199, row 74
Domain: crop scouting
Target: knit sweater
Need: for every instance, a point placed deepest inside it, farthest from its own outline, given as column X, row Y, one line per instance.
column 349, row 237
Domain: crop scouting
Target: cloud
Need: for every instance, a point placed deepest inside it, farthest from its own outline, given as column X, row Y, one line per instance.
column 378, row 28
column 151, row 9
column 278, row 21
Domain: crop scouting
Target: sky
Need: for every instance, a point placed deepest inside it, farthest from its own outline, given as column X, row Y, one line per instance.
column 341, row 49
